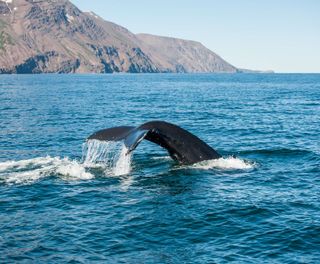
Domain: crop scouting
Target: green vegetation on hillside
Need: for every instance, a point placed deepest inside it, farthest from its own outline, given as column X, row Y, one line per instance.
column 5, row 39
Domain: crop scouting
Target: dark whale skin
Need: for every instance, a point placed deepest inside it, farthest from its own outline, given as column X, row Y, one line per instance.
column 182, row 146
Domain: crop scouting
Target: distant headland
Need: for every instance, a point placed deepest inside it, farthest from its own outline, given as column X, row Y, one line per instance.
column 56, row 37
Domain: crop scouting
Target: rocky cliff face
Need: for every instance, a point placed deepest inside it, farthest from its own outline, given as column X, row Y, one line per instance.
column 54, row 36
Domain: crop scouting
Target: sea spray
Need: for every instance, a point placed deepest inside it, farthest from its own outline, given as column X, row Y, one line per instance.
column 95, row 151
column 31, row 170
column 73, row 170
column 111, row 155
column 226, row 163
column 123, row 164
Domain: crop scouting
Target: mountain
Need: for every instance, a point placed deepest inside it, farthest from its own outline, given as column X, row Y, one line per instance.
column 179, row 55
column 54, row 36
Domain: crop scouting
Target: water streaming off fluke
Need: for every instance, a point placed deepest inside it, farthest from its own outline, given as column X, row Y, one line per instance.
column 113, row 156
column 110, row 156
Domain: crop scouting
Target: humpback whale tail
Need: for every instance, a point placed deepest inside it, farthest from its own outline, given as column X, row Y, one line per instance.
column 182, row 146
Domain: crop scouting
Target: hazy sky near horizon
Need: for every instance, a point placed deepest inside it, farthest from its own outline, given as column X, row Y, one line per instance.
column 279, row 35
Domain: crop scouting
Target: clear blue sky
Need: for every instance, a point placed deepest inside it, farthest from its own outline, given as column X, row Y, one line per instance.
column 281, row 35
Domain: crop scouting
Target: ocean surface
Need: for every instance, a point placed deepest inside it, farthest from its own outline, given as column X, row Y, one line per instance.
column 63, row 200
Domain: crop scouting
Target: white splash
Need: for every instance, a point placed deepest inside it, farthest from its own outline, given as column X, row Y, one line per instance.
column 95, row 152
column 123, row 164
column 31, row 170
column 162, row 158
column 74, row 170
column 113, row 156
column 22, row 164
column 228, row 163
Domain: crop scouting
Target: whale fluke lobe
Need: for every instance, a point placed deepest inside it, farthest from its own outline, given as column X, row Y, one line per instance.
column 111, row 134
column 182, row 146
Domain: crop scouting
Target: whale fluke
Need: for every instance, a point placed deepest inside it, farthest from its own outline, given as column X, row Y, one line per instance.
column 182, row 146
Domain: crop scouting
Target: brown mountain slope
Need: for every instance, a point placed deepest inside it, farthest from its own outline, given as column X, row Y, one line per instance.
column 178, row 55
column 55, row 36
column 39, row 36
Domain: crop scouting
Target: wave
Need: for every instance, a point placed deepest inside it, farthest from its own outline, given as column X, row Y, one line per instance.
column 228, row 163
column 27, row 171
column 112, row 158
column 161, row 158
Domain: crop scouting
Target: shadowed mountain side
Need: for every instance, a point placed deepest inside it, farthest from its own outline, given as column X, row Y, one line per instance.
column 56, row 37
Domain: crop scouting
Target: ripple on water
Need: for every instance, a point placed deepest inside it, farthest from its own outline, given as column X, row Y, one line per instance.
column 261, row 205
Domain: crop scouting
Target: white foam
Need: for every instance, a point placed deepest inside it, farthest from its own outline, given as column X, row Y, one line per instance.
column 228, row 163
column 22, row 164
column 22, row 177
column 74, row 170
column 30, row 170
column 162, row 158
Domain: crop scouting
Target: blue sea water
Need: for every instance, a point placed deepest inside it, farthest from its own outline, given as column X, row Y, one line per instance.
column 260, row 203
